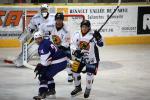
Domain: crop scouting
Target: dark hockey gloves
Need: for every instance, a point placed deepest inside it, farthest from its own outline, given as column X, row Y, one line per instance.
column 38, row 70
column 63, row 48
column 78, row 53
column 97, row 35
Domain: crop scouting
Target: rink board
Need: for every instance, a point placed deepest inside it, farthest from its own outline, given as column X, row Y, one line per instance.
column 107, row 41
column 113, row 39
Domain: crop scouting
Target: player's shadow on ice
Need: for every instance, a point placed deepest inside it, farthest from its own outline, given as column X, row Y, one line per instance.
column 108, row 65
column 72, row 98
column 11, row 66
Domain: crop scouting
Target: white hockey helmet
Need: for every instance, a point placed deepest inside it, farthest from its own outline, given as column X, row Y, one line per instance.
column 38, row 34
column 44, row 6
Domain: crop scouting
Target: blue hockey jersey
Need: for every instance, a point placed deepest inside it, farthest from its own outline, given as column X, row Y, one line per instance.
column 50, row 54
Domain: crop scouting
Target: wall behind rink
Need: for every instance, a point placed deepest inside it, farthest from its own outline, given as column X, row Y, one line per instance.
column 129, row 25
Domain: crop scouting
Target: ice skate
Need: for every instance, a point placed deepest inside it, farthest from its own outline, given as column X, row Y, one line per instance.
column 87, row 93
column 76, row 91
column 51, row 94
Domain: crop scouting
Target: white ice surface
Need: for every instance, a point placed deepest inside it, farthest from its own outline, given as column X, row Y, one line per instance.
column 124, row 74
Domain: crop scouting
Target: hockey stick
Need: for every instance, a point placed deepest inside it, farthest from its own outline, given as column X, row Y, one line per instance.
column 119, row 2
column 118, row 5
column 5, row 61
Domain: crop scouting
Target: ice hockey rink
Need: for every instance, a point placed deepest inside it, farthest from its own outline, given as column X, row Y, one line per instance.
column 124, row 74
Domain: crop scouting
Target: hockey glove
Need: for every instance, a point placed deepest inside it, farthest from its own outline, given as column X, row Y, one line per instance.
column 38, row 69
column 63, row 48
column 78, row 54
column 85, row 55
column 97, row 35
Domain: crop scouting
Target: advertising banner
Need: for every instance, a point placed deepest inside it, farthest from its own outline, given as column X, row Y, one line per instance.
column 127, row 21
column 144, row 20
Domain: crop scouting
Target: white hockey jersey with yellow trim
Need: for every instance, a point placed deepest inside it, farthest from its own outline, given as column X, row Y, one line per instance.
column 79, row 41
column 62, row 36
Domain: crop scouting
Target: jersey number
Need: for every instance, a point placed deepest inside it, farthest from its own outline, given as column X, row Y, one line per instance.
column 54, row 47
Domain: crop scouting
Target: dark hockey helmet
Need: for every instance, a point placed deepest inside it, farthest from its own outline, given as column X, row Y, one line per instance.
column 85, row 22
column 59, row 16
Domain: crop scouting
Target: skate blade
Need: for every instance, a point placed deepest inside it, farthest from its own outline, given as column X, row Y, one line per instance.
column 79, row 93
column 51, row 97
column 38, row 98
column 70, row 83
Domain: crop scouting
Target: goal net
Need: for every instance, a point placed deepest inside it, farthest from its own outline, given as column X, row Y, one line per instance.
column 71, row 20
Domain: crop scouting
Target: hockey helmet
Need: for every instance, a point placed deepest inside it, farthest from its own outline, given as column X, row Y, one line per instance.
column 86, row 23
column 38, row 34
column 59, row 16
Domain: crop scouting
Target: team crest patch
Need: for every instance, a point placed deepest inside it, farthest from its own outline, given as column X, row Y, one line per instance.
column 56, row 39
column 84, row 45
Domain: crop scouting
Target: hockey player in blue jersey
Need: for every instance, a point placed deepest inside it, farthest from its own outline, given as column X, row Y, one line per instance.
column 52, row 61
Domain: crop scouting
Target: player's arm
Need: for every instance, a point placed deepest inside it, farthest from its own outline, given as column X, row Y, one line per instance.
column 67, row 36
column 76, row 51
column 32, row 26
column 27, row 34
column 74, row 41
column 45, row 59
column 65, row 42
column 98, row 38
column 45, row 54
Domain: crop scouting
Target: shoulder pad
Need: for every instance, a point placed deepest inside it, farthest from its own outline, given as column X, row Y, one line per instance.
column 36, row 16
column 65, row 29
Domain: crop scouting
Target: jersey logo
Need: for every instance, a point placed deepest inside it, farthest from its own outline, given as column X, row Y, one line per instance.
column 84, row 45
column 56, row 39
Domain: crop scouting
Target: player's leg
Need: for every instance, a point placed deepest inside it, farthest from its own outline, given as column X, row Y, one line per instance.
column 51, row 72
column 91, row 70
column 77, row 79
column 77, row 83
column 68, row 68
column 70, row 75
column 56, row 68
column 51, row 88
column 43, row 86
column 31, row 51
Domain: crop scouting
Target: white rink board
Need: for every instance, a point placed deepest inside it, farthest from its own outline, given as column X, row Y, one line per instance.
column 122, row 23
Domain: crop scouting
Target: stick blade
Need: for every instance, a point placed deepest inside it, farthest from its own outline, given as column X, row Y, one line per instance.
column 8, row 61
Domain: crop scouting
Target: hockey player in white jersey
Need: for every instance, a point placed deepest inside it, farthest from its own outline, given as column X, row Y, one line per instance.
column 60, row 36
column 42, row 17
column 86, row 54
column 39, row 18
